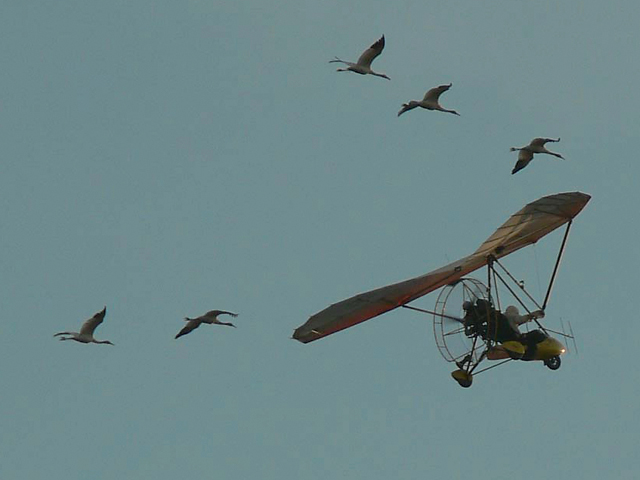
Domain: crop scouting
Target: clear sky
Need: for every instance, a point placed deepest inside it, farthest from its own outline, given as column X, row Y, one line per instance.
column 167, row 158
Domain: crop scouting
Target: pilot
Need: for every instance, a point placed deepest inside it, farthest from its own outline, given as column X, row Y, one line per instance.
column 484, row 320
column 530, row 339
column 515, row 319
column 474, row 318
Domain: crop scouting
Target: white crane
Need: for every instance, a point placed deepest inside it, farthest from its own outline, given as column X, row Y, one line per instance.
column 86, row 331
column 209, row 318
column 363, row 65
column 430, row 101
column 526, row 153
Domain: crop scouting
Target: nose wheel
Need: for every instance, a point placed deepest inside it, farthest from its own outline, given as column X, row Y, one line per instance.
column 553, row 363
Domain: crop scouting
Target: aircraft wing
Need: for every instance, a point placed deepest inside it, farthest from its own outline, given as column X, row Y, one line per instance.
column 523, row 228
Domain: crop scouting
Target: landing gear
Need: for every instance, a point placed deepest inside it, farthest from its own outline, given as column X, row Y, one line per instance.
column 464, row 379
column 553, row 363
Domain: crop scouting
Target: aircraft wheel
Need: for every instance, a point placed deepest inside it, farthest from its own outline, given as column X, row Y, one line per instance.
column 465, row 383
column 553, row 363
column 464, row 379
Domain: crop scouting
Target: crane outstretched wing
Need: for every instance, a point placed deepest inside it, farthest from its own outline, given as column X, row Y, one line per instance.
column 215, row 313
column 540, row 142
column 191, row 325
column 370, row 54
column 90, row 325
column 523, row 228
column 434, row 94
column 524, row 157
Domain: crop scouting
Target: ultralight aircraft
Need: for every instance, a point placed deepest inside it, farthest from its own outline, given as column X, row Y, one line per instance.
column 469, row 326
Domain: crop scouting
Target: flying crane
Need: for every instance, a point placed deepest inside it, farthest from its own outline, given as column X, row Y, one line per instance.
column 363, row 65
column 525, row 155
column 429, row 102
column 209, row 318
column 85, row 335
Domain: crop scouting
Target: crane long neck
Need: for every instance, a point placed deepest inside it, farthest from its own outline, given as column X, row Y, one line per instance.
column 379, row 75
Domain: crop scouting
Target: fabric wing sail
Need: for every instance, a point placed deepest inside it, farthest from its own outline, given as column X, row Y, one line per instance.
column 523, row 228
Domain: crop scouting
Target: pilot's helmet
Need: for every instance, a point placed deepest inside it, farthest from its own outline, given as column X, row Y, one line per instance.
column 467, row 305
column 512, row 311
column 482, row 303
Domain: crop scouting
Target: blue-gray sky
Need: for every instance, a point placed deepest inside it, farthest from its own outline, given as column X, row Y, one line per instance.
column 167, row 158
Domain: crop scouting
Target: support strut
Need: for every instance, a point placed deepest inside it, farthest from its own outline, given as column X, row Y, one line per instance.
column 555, row 268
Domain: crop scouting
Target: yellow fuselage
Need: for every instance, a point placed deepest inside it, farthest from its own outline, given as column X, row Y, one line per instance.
column 544, row 350
column 549, row 348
